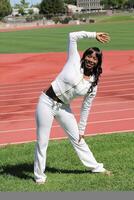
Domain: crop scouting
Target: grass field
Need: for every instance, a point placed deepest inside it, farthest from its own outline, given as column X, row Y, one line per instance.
column 64, row 170
column 117, row 17
column 55, row 39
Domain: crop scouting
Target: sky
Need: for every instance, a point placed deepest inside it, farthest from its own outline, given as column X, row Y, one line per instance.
column 32, row 2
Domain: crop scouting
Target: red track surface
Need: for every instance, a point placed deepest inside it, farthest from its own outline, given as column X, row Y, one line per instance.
column 24, row 76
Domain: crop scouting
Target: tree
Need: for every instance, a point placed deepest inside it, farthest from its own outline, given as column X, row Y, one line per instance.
column 23, row 4
column 108, row 3
column 59, row 6
column 30, row 12
column 114, row 3
column 52, row 7
column 121, row 3
column 130, row 3
column 21, row 11
column 5, row 8
column 73, row 2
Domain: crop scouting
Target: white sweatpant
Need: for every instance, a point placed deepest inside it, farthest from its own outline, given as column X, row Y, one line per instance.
column 47, row 110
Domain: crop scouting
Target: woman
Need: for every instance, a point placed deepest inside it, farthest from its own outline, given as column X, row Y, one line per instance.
column 79, row 77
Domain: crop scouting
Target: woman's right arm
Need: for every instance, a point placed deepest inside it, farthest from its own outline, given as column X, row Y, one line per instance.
column 85, row 110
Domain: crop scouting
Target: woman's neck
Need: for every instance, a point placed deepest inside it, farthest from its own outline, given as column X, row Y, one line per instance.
column 86, row 77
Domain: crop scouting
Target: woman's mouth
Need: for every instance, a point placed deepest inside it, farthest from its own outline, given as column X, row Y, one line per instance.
column 90, row 65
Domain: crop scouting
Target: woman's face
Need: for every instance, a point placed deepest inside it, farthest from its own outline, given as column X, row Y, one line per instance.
column 91, row 61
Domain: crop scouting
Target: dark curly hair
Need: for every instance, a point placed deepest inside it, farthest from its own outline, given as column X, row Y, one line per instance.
column 97, row 70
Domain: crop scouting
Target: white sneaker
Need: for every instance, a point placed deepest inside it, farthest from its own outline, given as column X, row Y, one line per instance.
column 102, row 171
column 99, row 169
column 41, row 181
column 107, row 173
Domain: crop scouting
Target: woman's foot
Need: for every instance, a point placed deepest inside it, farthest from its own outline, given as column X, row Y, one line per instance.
column 102, row 170
column 107, row 172
column 40, row 182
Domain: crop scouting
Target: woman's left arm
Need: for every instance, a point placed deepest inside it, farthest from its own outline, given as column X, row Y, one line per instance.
column 74, row 37
column 85, row 110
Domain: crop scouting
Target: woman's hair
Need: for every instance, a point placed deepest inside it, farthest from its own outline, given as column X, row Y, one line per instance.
column 97, row 70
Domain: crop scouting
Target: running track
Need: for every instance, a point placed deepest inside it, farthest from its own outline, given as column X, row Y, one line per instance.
column 24, row 76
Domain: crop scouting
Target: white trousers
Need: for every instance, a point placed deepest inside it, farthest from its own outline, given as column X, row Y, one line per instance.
column 47, row 110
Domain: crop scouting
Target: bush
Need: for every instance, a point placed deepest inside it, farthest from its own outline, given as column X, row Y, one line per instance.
column 29, row 18
column 56, row 19
column 66, row 20
column 36, row 17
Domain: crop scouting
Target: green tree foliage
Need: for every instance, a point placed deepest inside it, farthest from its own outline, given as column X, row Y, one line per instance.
column 130, row 3
column 22, row 11
column 121, row 3
column 23, row 4
column 73, row 2
column 52, row 7
column 5, row 8
column 31, row 12
column 109, row 3
column 116, row 3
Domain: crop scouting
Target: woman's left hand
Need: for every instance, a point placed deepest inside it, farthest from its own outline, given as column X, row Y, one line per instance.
column 80, row 137
column 103, row 37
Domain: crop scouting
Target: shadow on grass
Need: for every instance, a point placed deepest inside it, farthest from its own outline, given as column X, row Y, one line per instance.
column 24, row 170
column 20, row 170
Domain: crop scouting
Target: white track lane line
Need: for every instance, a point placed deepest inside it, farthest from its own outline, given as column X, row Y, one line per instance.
column 65, row 137
column 97, row 112
column 76, row 114
column 114, row 78
column 40, row 88
column 37, row 92
column 94, row 104
column 31, row 84
column 97, row 97
column 21, row 93
column 16, row 105
column 57, row 126
column 119, row 81
column 24, row 85
column 104, row 77
column 116, row 85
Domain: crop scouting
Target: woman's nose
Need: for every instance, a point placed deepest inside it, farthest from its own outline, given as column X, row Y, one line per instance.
column 92, row 60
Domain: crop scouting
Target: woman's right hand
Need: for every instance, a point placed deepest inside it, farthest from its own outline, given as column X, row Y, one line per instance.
column 103, row 37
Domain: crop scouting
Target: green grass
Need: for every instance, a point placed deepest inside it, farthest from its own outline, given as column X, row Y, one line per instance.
column 115, row 18
column 64, row 170
column 55, row 39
